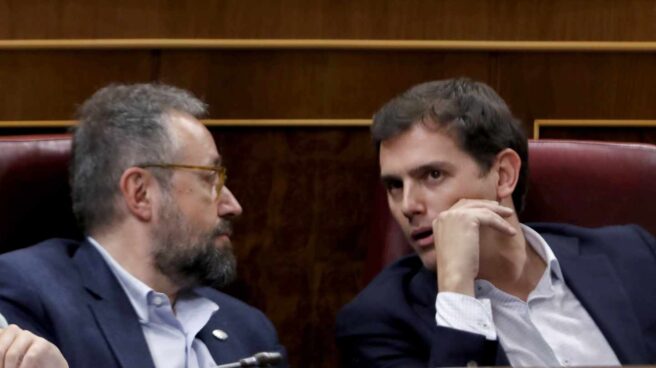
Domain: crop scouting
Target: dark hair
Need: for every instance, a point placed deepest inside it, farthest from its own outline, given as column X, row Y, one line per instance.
column 471, row 112
column 121, row 126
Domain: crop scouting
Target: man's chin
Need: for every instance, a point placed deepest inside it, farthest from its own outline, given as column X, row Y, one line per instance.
column 428, row 259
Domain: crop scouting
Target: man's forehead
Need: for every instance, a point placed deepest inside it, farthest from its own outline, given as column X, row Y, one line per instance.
column 193, row 139
column 416, row 147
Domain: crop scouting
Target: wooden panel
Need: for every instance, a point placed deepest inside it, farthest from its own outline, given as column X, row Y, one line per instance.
column 578, row 86
column 609, row 134
column 302, row 238
column 302, row 84
column 322, row 84
column 381, row 19
column 48, row 85
column 639, row 131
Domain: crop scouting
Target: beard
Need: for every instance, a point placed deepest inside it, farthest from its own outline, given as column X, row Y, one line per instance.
column 189, row 256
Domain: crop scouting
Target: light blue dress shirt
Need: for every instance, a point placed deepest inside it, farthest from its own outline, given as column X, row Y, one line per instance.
column 170, row 333
column 550, row 329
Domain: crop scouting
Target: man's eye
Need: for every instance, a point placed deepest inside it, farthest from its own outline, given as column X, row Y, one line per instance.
column 434, row 174
column 392, row 186
column 210, row 177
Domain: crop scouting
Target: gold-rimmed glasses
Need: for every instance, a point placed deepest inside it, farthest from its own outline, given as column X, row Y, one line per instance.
column 220, row 171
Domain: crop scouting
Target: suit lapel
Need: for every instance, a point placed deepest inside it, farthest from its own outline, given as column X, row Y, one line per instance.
column 218, row 348
column 227, row 350
column 112, row 309
column 596, row 285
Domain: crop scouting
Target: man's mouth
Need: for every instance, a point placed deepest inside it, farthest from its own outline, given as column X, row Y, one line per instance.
column 224, row 228
column 423, row 237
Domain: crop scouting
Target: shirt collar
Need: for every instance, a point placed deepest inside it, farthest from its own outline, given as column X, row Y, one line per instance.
column 135, row 289
column 484, row 288
column 543, row 250
column 141, row 296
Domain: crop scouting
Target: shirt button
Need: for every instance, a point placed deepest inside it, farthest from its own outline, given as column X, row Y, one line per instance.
column 157, row 300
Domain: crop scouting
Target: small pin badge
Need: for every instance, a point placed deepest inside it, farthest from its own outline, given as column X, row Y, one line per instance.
column 220, row 334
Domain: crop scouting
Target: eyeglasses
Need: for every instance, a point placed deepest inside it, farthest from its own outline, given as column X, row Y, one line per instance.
column 220, row 171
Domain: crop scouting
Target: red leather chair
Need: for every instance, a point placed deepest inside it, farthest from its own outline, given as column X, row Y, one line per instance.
column 34, row 193
column 583, row 183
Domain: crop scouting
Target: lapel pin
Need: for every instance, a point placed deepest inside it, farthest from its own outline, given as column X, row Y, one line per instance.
column 220, row 334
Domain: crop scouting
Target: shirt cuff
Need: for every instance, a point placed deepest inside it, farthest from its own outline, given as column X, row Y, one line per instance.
column 465, row 313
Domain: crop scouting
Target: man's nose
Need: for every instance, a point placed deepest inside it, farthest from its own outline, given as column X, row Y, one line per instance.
column 228, row 205
column 413, row 202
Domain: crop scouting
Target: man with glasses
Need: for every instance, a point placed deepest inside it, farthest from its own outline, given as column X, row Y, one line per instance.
column 148, row 190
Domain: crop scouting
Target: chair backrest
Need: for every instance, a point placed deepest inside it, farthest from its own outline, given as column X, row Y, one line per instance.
column 578, row 182
column 35, row 202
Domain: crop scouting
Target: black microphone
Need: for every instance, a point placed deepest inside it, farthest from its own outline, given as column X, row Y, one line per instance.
column 263, row 359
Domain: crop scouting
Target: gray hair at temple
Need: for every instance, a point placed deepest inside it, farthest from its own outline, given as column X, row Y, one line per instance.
column 121, row 126
column 471, row 112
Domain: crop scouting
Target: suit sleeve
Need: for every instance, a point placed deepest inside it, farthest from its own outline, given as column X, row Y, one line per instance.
column 372, row 339
column 647, row 238
column 20, row 302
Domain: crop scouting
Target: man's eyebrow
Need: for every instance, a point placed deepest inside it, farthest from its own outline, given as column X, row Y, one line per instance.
column 433, row 165
column 387, row 178
column 418, row 170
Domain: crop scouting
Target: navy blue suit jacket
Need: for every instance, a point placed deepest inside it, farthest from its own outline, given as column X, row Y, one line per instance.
column 612, row 271
column 64, row 291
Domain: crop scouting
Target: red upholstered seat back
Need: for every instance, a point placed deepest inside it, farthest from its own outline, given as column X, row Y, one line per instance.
column 34, row 193
column 577, row 182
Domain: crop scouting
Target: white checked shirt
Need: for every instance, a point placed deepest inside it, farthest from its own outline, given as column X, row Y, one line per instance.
column 550, row 329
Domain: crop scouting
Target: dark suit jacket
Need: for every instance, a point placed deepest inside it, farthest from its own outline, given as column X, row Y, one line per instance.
column 612, row 271
column 64, row 291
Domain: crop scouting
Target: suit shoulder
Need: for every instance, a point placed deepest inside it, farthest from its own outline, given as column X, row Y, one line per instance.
column 614, row 232
column 619, row 241
column 232, row 306
column 46, row 254
column 242, row 319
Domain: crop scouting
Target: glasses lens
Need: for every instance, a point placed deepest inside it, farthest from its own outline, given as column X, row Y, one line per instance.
column 221, row 173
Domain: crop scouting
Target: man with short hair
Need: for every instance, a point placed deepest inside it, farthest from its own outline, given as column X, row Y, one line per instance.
column 22, row 349
column 483, row 289
column 148, row 188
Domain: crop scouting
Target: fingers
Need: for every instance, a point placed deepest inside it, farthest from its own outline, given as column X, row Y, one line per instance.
column 494, row 220
column 23, row 349
column 14, row 342
column 478, row 213
column 494, row 206
column 43, row 354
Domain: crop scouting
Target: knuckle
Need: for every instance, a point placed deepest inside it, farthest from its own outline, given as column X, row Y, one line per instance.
column 13, row 328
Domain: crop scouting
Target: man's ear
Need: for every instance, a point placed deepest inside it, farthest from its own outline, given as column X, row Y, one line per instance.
column 507, row 165
column 137, row 187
